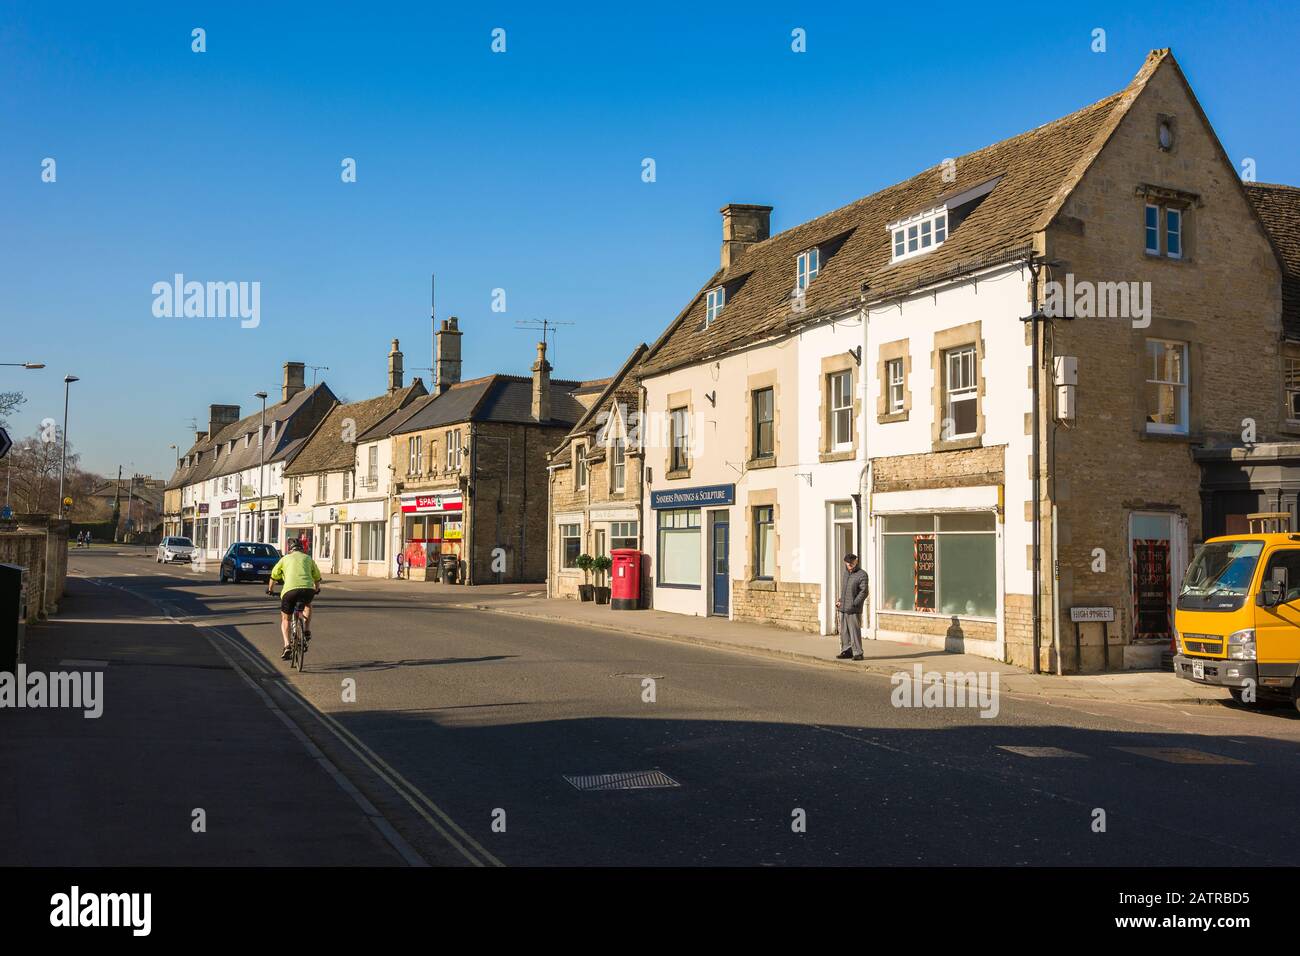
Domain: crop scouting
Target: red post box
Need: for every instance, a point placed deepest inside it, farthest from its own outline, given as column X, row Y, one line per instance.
column 625, row 592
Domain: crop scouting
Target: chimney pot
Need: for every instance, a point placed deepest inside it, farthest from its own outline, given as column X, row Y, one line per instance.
column 394, row 369
column 743, row 225
column 294, row 380
column 541, row 385
column 447, row 360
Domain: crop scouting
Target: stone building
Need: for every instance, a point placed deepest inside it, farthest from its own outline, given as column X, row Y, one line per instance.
column 595, row 479
column 339, row 523
column 468, row 470
column 866, row 381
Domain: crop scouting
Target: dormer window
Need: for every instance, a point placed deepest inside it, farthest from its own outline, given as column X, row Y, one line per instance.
column 919, row 234
column 806, row 269
column 716, row 299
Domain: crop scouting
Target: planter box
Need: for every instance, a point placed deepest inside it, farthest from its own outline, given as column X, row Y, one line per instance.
column 602, row 595
column 586, row 591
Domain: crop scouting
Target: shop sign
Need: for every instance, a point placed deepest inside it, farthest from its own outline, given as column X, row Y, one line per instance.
column 433, row 503
column 703, row 496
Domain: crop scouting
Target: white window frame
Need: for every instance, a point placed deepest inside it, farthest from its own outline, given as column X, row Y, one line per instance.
column 622, row 531
column 569, row 531
column 452, row 437
column 895, row 385
column 1148, row 230
column 715, row 301
column 679, row 436
column 967, row 391
column 806, row 267
column 322, row 488
column 414, row 454
column 919, row 234
column 841, row 409
column 1170, row 230
column 1184, row 405
column 580, row 467
column 617, row 464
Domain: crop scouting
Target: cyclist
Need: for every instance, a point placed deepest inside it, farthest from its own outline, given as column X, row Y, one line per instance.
column 300, row 582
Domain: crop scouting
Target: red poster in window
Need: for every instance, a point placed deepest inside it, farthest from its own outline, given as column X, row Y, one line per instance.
column 923, row 572
column 1151, row 584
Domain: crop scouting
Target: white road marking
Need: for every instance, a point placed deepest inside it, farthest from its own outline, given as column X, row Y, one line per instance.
column 1183, row 755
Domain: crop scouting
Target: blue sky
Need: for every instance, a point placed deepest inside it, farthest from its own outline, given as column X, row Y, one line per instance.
column 519, row 171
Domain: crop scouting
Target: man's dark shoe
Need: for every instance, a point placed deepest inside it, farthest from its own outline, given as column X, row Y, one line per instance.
column 285, row 656
column 857, row 657
column 844, row 655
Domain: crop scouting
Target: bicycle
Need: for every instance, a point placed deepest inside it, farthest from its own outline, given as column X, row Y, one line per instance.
column 298, row 639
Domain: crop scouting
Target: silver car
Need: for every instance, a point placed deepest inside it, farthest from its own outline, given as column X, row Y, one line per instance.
column 175, row 549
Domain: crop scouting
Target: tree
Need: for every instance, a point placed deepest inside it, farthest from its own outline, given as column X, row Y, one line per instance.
column 34, row 476
column 9, row 402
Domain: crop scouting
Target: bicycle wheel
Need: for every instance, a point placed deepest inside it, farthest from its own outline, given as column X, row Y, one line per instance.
column 295, row 645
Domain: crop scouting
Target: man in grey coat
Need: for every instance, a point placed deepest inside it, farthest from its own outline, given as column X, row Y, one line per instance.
column 852, row 599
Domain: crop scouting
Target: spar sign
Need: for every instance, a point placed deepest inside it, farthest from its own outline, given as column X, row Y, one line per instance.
column 436, row 503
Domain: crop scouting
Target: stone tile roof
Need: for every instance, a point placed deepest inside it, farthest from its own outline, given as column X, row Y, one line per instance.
column 287, row 440
column 1279, row 210
column 326, row 450
column 621, row 386
column 492, row 398
column 1035, row 173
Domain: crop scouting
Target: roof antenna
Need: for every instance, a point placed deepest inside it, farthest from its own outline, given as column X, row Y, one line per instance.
column 546, row 325
column 433, row 319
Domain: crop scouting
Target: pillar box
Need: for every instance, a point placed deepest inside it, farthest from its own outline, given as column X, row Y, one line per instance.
column 625, row 575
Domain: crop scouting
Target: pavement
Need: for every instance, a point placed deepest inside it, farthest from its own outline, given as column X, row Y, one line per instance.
column 189, row 764
column 881, row 656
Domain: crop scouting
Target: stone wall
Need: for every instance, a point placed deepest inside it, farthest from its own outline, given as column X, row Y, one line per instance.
column 1222, row 298
column 790, row 605
column 40, row 544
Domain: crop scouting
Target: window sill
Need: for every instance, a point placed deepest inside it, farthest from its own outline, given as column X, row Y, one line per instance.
column 848, row 454
column 958, row 444
column 680, row 587
column 675, row 475
column 768, row 461
column 892, row 417
column 761, row 584
column 1173, row 437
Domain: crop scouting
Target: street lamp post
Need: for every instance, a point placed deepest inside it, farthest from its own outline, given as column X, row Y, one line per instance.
column 9, row 464
column 63, row 463
column 261, row 464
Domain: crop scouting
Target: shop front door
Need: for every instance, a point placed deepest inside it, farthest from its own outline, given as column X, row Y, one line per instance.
column 719, row 551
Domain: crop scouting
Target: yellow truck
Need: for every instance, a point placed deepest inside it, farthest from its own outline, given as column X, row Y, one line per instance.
column 1237, row 619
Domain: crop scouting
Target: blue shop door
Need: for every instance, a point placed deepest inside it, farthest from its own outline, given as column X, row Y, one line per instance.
column 720, row 549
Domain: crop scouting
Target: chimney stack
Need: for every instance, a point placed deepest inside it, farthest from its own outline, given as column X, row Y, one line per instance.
column 394, row 369
column 293, row 380
column 447, row 363
column 219, row 416
column 541, row 385
column 743, row 226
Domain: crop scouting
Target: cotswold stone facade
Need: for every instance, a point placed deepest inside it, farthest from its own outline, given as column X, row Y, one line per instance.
column 1112, row 477
column 595, row 480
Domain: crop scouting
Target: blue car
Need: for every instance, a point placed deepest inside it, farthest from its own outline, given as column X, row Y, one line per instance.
column 248, row 560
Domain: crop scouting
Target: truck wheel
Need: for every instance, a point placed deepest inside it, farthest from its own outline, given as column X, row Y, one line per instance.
column 1295, row 695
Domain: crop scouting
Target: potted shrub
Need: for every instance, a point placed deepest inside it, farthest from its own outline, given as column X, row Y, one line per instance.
column 602, row 565
column 585, row 589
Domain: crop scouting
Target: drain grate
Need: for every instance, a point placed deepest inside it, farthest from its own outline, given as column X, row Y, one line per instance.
column 628, row 780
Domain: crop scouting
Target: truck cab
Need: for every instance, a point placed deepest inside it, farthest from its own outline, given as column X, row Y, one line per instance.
column 1237, row 620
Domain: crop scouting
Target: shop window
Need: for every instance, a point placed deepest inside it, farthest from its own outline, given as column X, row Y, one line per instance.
column 372, row 541
column 570, row 545
column 1166, row 387
column 939, row 564
column 679, row 547
column 764, row 543
column 622, row 534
